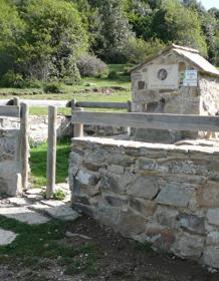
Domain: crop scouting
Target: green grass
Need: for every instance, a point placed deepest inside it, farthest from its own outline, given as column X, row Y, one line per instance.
column 78, row 91
column 35, row 243
column 38, row 159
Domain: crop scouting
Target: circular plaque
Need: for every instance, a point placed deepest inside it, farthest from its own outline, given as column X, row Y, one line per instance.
column 162, row 74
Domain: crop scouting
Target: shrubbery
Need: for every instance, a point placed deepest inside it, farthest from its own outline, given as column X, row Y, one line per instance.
column 40, row 40
column 91, row 66
column 53, row 87
column 138, row 50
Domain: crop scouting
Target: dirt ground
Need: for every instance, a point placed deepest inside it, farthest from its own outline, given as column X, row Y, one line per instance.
column 104, row 255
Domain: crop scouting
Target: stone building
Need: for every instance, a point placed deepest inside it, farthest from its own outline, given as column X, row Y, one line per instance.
column 176, row 80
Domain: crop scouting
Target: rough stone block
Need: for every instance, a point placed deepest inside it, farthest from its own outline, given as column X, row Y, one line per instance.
column 117, row 169
column 23, row 214
column 192, row 223
column 211, row 256
column 188, row 246
column 145, row 207
column 116, row 183
column 208, row 195
column 167, row 217
column 213, row 238
column 130, row 223
column 162, row 238
column 120, row 159
column 108, row 215
column 146, row 187
column 213, row 216
column 116, row 200
column 97, row 156
column 6, row 237
column 175, row 195
column 87, row 177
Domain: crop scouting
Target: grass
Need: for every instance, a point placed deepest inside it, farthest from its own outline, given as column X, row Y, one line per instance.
column 36, row 243
column 78, row 92
column 38, row 159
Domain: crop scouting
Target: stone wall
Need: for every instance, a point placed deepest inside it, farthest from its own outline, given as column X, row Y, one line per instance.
column 164, row 194
column 10, row 164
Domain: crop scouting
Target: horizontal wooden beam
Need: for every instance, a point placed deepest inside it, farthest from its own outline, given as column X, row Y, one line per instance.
column 149, row 121
column 38, row 103
column 65, row 103
column 116, row 105
column 9, row 111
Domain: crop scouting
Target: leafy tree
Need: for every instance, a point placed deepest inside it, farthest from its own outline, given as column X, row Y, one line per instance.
column 115, row 31
column 175, row 23
column 11, row 33
column 92, row 20
column 55, row 37
column 138, row 50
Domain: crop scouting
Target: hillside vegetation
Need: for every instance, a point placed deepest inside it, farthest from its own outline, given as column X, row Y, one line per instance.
column 62, row 41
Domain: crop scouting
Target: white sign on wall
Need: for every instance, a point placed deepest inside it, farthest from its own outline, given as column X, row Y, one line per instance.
column 163, row 76
column 190, row 78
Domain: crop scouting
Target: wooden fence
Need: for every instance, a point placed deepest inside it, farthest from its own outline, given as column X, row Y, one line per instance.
column 80, row 117
column 175, row 122
column 11, row 108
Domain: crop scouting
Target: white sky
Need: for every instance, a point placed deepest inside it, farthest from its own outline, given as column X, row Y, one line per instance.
column 210, row 3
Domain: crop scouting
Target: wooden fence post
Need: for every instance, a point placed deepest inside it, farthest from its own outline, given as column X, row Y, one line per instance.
column 78, row 127
column 16, row 101
column 129, row 106
column 51, row 151
column 24, row 144
column 129, row 109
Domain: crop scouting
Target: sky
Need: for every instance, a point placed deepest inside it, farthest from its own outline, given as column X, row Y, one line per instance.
column 210, row 3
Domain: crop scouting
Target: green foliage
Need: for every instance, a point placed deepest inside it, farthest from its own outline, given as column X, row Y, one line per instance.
column 172, row 22
column 91, row 66
column 113, row 75
column 11, row 32
column 138, row 50
column 42, row 40
column 59, row 194
column 115, row 31
column 55, row 37
column 12, row 79
column 38, row 163
column 53, row 87
column 52, row 38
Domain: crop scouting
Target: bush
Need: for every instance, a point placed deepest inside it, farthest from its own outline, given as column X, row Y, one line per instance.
column 12, row 80
column 91, row 66
column 59, row 194
column 54, row 88
column 33, row 84
column 139, row 50
column 113, row 75
column 73, row 76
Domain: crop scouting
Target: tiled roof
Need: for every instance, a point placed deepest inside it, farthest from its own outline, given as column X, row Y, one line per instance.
column 189, row 54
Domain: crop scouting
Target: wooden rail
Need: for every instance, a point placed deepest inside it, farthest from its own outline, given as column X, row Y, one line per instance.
column 37, row 103
column 66, row 103
column 116, row 105
column 149, row 121
column 9, row 111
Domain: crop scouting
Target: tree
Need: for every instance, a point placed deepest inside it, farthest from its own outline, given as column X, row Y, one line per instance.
column 175, row 23
column 11, row 33
column 55, row 37
column 115, row 31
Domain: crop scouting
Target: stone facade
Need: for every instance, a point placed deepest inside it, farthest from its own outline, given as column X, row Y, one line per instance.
column 10, row 164
column 166, row 92
column 165, row 194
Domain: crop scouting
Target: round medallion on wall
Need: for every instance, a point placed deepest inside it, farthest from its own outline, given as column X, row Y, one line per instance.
column 162, row 74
